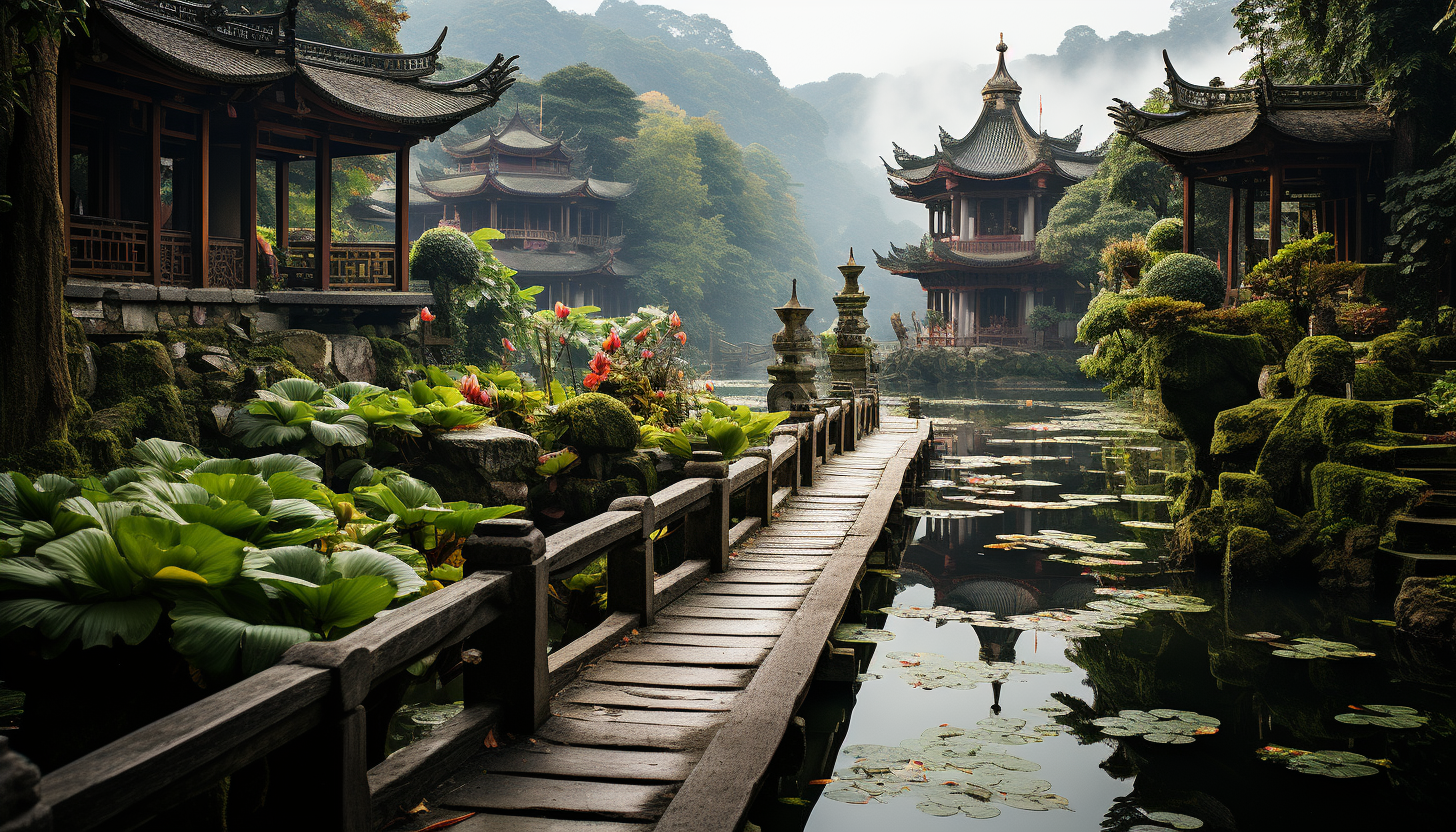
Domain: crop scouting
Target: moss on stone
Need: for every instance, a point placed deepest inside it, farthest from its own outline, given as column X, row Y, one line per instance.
column 585, row 498
column 1398, row 351
column 266, row 354
column 596, row 422
column 1321, row 364
column 1176, row 486
column 1376, row 381
column 1372, row 497
column 1198, row 540
column 641, row 468
column 123, row 370
column 1437, row 348
column 1239, row 433
column 1251, row 556
column 1247, row 500
column 391, row 361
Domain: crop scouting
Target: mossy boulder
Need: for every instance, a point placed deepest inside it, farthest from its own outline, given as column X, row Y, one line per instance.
column 1252, row 556
column 1346, row 556
column 1274, row 383
column 1321, row 364
column 1247, row 500
column 1344, row 492
column 1398, row 351
column 1199, row 540
column 597, row 422
column 1426, row 608
column 308, row 350
column 1239, row 433
column 639, row 467
column 391, row 361
column 125, row 369
column 584, row 498
column 1437, row 348
column 1176, row 486
column 1375, row 381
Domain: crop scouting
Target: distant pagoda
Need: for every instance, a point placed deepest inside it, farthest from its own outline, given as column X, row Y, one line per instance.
column 560, row 226
column 987, row 194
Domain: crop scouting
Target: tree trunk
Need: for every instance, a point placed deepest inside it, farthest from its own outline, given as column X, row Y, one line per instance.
column 35, row 386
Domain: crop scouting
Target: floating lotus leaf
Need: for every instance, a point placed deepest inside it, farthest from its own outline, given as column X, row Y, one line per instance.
column 1318, row 648
column 929, row 671
column 1148, row 524
column 1384, row 716
column 938, row 484
column 1176, row 820
column 1052, row 707
column 947, row 771
column 1095, row 498
column 856, row 634
column 1147, row 498
column 1327, row 763
column 948, row 513
column 1163, row 725
column 941, row 613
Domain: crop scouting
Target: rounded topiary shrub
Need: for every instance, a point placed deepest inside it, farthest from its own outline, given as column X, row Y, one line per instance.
column 1166, row 236
column 597, row 422
column 445, row 257
column 1185, row 277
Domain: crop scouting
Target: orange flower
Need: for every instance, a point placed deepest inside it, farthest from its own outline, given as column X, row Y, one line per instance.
column 426, row 315
column 640, row 336
column 648, row 354
column 709, row 386
column 613, row 343
column 600, row 364
column 682, row 337
column 562, row 310
column 659, row 394
column 592, row 380
column 562, row 339
column 506, row 342
column 470, row 388
column 674, row 321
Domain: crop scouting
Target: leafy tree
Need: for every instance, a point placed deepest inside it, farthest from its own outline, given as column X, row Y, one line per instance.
column 591, row 104
column 1082, row 224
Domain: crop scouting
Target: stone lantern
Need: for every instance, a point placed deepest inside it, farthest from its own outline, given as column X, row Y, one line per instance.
column 849, row 364
column 793, row 377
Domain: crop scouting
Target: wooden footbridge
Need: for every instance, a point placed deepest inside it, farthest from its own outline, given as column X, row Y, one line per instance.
column 665, row 716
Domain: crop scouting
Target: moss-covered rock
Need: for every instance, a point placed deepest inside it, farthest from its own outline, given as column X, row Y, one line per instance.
column 54, row 456
column 1426, row 608
column 1346, row 556
column 1398, row 351
column 1274, row 383
column 1321, row 364
column 391, row 361
column 1199, row 540
column 310, row 351
column 1374, row 381
column 1246, row 499
column 1176, row 486
column 1240, row 432
column 585, row 498
column 596, row 422
column 640, row 467
column 1372, row 497
column 125, row 369
column 1437, row 348
column 1251, row 557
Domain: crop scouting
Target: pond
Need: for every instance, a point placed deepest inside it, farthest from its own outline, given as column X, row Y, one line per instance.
column 1049, row 671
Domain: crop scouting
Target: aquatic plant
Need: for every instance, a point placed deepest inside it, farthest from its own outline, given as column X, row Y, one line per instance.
column 1161, row 725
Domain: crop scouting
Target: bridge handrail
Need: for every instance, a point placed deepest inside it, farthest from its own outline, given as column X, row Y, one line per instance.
column 496, row 613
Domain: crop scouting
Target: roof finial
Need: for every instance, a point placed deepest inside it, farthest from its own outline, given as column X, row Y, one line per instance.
column 794, row 292
column 851, row 257
column 1001, row 47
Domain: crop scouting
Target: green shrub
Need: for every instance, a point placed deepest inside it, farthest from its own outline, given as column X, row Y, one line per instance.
column 1274, row 320
column 1105, row 315
column 1123, row 254
column 444, row 256
column 1321, row 364
column 1160, row 315
column 1443, row 395
column 1166, row 236
column 1185, row 277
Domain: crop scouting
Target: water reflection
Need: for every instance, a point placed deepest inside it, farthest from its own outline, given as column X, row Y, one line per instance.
column 972, row 567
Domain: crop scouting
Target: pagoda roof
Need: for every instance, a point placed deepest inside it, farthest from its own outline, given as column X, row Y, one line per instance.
column 565, row 264
column 915, row 258
column 1001, row 145
column 454, row 186
column 205, row 41
column 1205, row 120
column 516, row 137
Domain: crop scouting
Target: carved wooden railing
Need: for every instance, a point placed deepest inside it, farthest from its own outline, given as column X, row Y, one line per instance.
column 315, row 701
column 110, row 248
column 225, row 263
column 530, row 234
column 353, row 267
column 175, row 266
column 992, row 246
column 1000, row 336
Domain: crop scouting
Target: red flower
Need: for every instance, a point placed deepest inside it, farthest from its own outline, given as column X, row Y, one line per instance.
column 640, row 336
column 660, row 394
column 426, row 315
column 600, row 364
column 682, row 337
column 674, row 321
column 648, row 353
column 562, row 339
column 471, row 389
column 506, row 342
column 592, row 380
column 710, row 386
column 613, row 343
column 562, row 310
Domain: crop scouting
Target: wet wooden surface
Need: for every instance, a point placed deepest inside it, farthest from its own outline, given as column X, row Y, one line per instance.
column 642, row 728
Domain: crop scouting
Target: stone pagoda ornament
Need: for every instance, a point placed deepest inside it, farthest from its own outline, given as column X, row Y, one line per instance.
column 793, row 376
column 850, row 362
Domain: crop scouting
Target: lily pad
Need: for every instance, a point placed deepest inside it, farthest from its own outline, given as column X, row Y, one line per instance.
column 857, row 634
column 1147, row 498
column 1383, row 716
column 1176, row 820
column 1319, row 648
column 1163, row 725
column 1339, row 764
column 929, row 671
column 1148, row 524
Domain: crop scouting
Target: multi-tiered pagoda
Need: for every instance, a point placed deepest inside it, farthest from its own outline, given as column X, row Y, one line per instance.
column 987, row 194
column 560, row 225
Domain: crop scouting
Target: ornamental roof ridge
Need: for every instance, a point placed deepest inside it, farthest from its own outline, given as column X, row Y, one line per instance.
column 1001, row 82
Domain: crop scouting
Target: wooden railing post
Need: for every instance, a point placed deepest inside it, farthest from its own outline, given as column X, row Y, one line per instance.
column 807, row 442
column 758, row 495
column 708, row 532
column 630, row 565
column 515, row 671
column 342, row 749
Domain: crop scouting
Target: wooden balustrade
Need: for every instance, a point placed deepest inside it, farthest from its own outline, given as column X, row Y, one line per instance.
column 319, row 691
column 993, row 246
column 110, row 248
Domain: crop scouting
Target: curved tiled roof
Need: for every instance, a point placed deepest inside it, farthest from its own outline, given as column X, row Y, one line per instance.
column 1001, row 145
column 516, row 137
column 204, row 41
column 563, row 264
column 1208, row 119
column 457, row 186
column 914, row 259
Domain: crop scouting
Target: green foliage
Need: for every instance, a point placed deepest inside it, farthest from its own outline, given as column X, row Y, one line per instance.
column 1106, row 314
column 1441, row 398
column 1166, row 236
column 1162, row 315
column 1124, row 254
column 1042, row 317
column 719, row 427
column 594, row 421
column 1186, row 277
column 1082, row 224
column 444, row 256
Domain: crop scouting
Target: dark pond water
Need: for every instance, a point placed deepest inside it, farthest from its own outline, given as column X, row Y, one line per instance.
column 1120, row 690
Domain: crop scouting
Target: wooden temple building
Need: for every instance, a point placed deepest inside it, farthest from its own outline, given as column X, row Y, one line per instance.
column 986, row 195
column 1314, row 156
column 560, row 227
column 167, row 108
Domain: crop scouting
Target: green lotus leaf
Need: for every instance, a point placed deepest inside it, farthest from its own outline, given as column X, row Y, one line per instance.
column 351, row 563
column 297, row 390
column 342, row 603
column 90, row 558
column 289, row 563
column 254, row 431
column 1176, row 820
column 349, row 389
column 339, row 427
column 287, row 485
column 94, row 624
column 462, row 523
column 270, row 464
column 166, row 455
column 249, row 489
column 234, row 519
column 223, row 466
column 152, row 545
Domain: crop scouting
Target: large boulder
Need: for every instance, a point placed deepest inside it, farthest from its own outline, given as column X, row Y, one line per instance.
column 1426, row 607
column 353, row 357
column 309, row 351
column 487, row 464
column 597, row 422
column 1247, row 500
column 1252, row 556
column 1398, row 351
column 1321, row 364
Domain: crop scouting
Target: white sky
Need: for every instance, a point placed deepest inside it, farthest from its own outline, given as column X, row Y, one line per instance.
column 810, row 40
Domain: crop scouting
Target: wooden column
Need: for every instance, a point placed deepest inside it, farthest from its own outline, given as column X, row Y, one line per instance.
column 249, row 191
column 493, row 213
column 154, row 238
column 201, row 237
column 401, row 220
column 1233, row 239
column 280, row 208
column 63, row 147
column 1249, row 203
column 323, row 219
column 1359, row 200
column 1187, row 214
column 1276, row 193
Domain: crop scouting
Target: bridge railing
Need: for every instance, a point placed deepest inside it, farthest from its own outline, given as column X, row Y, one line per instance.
column 490, row 626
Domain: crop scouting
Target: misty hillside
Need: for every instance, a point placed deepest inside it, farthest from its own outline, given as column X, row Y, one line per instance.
column 829, row 135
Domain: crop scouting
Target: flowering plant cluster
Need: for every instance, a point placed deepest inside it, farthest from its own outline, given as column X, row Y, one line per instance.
column 640, row 361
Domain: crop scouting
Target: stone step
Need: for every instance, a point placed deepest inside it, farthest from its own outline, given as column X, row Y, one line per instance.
column 1438, row 504
column 1428, row 456
column 1433, row 534
column 1440, row 478
column 1419, row 564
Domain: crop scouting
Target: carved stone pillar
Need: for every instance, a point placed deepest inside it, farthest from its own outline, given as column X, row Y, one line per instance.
column 793, row 378
column 850, row 361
